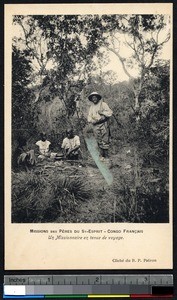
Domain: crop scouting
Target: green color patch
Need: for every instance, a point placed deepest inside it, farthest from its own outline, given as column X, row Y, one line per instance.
column 66, row 296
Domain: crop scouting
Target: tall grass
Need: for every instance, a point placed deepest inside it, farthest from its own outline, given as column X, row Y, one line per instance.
column 39, row 198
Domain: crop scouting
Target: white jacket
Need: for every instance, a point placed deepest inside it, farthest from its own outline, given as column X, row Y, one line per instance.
column 94, row 110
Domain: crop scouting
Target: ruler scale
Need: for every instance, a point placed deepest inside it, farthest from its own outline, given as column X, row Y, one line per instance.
column 88, row 286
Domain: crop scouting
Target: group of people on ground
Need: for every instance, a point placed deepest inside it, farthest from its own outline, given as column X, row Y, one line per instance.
column 98, row 117
column 43, row 150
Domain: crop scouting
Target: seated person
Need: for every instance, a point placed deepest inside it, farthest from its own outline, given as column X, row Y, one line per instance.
column 23, row 158
column 71, row 145
column 43, row 147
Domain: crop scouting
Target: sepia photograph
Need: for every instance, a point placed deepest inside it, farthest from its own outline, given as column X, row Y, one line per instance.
column 90, row 118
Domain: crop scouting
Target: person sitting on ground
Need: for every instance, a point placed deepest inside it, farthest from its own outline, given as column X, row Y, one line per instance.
column 24, row 158
column 98, row 116
column 43, row 147
column 71, row 145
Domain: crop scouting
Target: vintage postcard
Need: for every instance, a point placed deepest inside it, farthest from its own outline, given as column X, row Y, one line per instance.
column 88, row 136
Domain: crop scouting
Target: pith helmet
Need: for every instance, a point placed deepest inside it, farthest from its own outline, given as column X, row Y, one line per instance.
column 94, row 94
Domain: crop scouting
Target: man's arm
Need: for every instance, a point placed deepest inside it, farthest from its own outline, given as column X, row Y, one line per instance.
column 64, row 152
column 50, row 147
column 101, row 121
column 74, row 149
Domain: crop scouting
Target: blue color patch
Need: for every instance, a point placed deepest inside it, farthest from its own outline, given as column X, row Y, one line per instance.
column 104, row 170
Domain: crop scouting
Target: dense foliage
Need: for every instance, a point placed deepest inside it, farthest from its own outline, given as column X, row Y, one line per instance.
column 22, row 112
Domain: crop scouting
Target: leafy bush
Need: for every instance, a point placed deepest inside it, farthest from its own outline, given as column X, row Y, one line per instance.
column 154, row 198
column 128, row 208
column 146, row 203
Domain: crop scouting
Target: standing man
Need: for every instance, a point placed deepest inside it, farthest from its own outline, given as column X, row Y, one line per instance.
column 99, row 114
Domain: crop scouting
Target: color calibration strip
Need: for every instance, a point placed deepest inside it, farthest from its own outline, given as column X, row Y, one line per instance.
column 87, row 296
column 22, row 292
column 88, row 286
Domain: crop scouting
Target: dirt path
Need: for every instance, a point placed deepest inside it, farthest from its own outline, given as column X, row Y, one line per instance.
column 99, row 208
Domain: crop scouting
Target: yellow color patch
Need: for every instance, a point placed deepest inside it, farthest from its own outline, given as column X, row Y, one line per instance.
column 108, row 296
